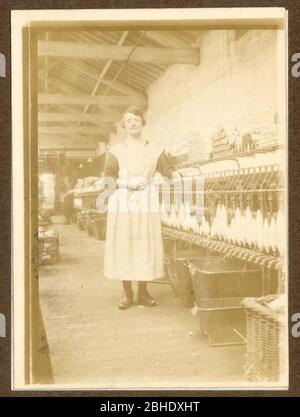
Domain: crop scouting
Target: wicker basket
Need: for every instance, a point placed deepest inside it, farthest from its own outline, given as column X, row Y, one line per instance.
column 179, row 274
column 223, row 321
column 265, row 357
column 49, row 250
column 88, row 223
column 99, row 226
column 169, row 245
column 80, row 220
column 224, row 278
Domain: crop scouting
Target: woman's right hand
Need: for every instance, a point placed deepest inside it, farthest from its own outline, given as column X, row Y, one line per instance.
column 134, row 184
column 138, row 183
column 101, row 184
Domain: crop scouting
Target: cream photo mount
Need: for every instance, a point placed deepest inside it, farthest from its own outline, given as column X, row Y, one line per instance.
column 24, row 25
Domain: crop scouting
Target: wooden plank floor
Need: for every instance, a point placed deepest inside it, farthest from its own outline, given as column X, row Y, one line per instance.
column 92, row 342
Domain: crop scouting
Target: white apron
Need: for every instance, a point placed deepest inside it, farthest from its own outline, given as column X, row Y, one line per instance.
column 133, row 247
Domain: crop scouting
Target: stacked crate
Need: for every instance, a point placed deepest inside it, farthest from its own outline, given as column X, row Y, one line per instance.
column 48, row 248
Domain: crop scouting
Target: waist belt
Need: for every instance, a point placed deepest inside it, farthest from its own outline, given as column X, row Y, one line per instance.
column 131, row 187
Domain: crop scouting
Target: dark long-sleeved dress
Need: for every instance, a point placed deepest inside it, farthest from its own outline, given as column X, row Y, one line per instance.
column 133, row 248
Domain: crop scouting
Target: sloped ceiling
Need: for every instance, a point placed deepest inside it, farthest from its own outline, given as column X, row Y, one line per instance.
column 87, row 78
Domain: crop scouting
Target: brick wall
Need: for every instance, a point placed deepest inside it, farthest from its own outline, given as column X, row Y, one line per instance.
column 234, row 84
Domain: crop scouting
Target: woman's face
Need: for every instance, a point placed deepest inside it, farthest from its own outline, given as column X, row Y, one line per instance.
column 133, row 124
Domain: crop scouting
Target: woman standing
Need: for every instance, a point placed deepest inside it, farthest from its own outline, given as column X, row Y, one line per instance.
column 134, row 248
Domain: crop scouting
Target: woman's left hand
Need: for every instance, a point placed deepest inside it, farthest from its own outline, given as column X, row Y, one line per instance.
column 176, row 176
column 137, row 183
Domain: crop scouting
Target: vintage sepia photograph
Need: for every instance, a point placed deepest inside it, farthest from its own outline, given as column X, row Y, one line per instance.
column 149, row 199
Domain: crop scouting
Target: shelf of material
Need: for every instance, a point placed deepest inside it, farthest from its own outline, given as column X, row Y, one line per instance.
column 90, row 211
column 79, row 194
column 233, row 155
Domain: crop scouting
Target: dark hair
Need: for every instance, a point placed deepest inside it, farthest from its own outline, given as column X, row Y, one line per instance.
column 137, row 111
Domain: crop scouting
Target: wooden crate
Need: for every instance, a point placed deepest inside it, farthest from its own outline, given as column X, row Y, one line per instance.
column 265, row 357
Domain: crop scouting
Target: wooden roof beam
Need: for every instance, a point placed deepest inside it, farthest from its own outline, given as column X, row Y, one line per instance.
column 75, row 117
column 48, row 144
column 77, row 99
column 69, row 138
column 52, row 130
column 61, row 85
column 119, row 53
column 165, row 39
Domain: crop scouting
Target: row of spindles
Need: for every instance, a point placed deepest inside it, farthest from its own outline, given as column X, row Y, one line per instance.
column 245, row 209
